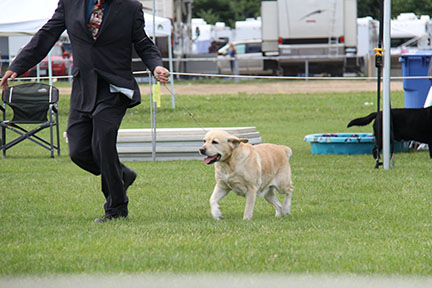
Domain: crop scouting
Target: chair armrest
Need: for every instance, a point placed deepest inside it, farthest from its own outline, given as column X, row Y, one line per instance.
column 2, row 108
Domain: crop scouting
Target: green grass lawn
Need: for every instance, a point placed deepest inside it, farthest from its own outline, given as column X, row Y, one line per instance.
column 347, row 218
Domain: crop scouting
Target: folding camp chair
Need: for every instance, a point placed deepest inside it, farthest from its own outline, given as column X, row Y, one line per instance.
column 34, row 105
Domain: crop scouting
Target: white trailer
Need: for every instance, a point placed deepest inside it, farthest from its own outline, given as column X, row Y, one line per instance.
column 320, row 33
column 409, row 33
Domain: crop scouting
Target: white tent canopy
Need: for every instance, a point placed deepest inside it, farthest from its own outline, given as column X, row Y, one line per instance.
column 26, row 17
column 163, row 25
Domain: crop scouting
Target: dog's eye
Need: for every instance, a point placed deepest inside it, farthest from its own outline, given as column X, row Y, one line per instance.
column 215, row 142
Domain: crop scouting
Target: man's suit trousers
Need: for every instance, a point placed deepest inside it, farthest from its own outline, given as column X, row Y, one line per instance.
column 92, row 138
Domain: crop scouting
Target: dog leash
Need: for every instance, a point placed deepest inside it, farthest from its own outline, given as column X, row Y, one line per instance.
column 187, row 110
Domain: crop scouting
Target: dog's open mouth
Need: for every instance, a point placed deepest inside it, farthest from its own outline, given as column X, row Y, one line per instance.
column 212, row 159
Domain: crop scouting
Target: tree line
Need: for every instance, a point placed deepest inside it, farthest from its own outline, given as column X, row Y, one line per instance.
column 229, row 11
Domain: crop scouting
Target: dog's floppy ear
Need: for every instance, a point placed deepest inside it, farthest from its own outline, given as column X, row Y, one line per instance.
column 236, row 141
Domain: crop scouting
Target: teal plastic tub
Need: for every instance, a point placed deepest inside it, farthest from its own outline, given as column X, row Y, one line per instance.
column 347, row 143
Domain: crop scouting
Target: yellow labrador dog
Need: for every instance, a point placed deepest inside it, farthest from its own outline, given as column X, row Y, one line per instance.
column 248, row 170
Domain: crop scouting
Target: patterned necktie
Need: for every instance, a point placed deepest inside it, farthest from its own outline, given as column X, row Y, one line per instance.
column 96, row 19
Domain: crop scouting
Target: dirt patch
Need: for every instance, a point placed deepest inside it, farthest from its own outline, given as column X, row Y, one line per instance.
column 279, row 87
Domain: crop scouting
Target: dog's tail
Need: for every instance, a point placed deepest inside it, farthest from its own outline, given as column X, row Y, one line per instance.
column 362, row 121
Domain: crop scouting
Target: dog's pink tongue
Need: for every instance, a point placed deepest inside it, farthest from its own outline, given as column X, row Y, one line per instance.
column 209, row 159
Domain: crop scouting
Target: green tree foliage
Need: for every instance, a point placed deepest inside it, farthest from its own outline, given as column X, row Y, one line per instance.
column 372, row 7
column 229, row 11
column 419, row 7
column 368, row 8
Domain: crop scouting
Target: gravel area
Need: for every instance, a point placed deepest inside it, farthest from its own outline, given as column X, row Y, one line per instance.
column 277, row 87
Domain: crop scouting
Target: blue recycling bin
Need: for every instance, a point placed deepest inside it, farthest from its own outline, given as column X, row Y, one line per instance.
column 416, row 90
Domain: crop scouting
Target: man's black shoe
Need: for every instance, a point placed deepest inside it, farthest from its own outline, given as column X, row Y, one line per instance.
column 129, row 177
column 108, row 218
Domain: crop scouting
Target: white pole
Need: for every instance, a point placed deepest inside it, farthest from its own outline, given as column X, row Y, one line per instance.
column 154, row 21
column 153, row 125
column 50, row 80
column 154, row 132
column 171, row 69
column 152, row 105
column 38, row 73
column 386, row 86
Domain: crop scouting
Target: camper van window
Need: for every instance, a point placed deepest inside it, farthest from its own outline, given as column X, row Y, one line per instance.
column 253, row 48
column 241, row 48
column 397, row 42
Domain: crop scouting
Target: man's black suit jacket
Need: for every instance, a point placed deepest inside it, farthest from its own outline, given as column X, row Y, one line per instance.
column 107, row 57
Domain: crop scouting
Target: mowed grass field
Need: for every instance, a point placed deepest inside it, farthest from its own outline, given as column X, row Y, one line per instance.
column 347, row 218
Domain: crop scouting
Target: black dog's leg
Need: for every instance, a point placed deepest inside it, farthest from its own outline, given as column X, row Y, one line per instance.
column 376, row 154
column 392, row 141
column 377, row 164
column 430, row 149
column 378, row 141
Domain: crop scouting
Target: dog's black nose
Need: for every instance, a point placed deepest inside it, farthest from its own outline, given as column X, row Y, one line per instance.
column 202, row 151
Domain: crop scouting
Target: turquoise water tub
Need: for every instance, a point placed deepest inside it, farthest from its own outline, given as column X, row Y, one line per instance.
column 347, row 143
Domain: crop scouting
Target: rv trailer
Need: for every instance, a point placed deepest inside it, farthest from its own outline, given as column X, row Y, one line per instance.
column 318, row 35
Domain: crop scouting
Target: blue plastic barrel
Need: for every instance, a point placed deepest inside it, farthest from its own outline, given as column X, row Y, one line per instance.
column 416, row 90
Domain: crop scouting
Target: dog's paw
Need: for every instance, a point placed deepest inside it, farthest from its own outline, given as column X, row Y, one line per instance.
column 286, row 211
column 217, row 215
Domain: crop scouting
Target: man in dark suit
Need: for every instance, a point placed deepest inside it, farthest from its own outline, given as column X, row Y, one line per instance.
column 101, row 33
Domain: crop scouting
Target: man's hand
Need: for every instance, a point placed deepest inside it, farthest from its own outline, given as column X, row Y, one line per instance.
column 161, row 74
column 8, row 74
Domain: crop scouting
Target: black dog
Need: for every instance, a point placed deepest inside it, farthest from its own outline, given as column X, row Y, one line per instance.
column 405, row 124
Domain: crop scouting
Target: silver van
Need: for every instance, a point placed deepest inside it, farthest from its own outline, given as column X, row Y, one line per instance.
column 249, row 57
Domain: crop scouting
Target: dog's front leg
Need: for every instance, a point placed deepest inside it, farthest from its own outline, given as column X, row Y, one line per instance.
column 250, row 204
column 218, row 193
column 430, row 149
